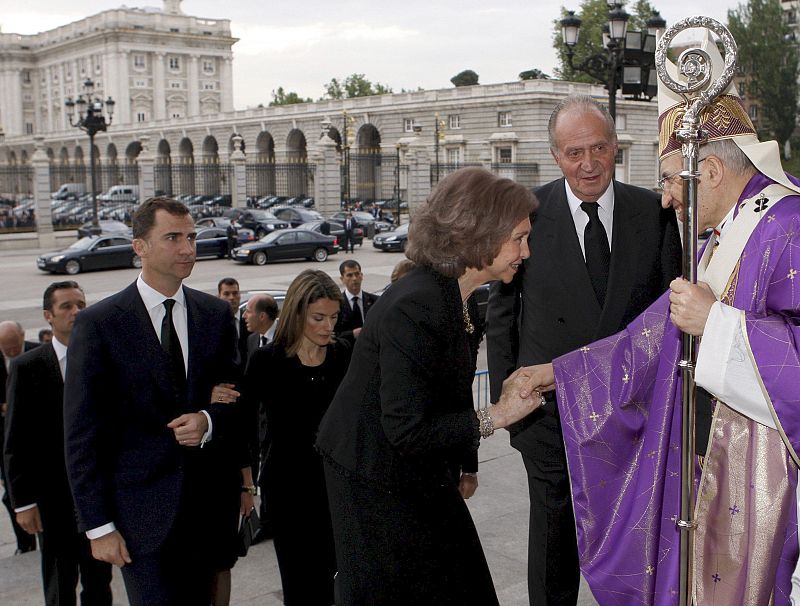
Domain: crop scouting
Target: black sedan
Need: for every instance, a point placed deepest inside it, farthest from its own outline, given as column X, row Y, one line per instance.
column 392, row 240
column 261, row 222
column 337, row 229
column 91, row 252
column 287, row 244
column 296, row 216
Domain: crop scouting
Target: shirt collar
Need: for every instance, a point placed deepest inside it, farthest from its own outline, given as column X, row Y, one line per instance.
column 60, row 348
column 725, row 223
column 152, row 298
column 605, row 202
column 350, row 296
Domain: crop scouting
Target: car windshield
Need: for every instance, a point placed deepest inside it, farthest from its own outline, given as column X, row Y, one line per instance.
column 261, row 215
column 272, row 236
column 402, row 230
column 82, row 244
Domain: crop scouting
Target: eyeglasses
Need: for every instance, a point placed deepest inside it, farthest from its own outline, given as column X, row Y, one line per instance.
column 668, row 179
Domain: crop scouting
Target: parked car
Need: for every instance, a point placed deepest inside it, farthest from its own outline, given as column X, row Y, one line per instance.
column 68, row 190
column 337, row 229
column 120, row 193
column 296, row 216
column 287, row 244
column 392, row 241
column 89, row 253
column 212, row 242
column 364, row 219
column 107, row 228
column 261, row 222
column 245, row 234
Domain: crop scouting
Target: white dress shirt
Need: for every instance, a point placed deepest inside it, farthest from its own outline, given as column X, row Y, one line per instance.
column 605, row 211
column 270, row 334
column 350, row 296
column 724, row 367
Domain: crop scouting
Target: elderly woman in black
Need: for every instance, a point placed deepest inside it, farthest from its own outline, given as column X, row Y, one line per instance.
column 402, row 531
column 294, row 378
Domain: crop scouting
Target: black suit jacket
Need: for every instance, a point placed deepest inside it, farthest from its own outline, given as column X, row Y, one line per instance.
column 29, row 345
column 344, row 324
column 404, row 409
column 34, row 445
column 550, row 308
column 123, row 461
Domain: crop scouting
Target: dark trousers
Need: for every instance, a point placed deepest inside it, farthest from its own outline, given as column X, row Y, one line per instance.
column 66, row 556
column 349, row 242
column 553, row 569
column 25, row 542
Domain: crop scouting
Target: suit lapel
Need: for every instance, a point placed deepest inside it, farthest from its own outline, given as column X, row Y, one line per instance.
column 624, row 252
column 53, row 367
column 196, row 320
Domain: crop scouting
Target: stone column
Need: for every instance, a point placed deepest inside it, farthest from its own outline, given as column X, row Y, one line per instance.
column 238, row 162
column 159, row 86
column 486, row 155
column 226, row 84
column 192, row 77
column 419, row 174
column 327, row 177
column 147, row 174
column 41, row 194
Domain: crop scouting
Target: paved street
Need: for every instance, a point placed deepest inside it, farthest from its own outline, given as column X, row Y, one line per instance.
column 499, row 507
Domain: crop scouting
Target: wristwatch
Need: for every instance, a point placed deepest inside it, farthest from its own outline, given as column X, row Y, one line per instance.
column 251, row 489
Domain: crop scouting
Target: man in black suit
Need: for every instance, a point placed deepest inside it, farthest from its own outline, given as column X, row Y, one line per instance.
column 228, row 290
column 12, row 344
column 260, row 315
column 350, row 225
column 146, row 449
column 356, row 304
column 601, row 252
column 34, row 456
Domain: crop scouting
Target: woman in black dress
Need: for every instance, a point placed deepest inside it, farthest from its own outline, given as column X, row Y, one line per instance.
column 403, row 533
column 295, row 378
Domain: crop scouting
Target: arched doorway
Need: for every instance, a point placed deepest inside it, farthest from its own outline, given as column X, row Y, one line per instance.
column 261, row 172
column 184, row 179
column 296, row 168
column 366, row 164
column 209, row 167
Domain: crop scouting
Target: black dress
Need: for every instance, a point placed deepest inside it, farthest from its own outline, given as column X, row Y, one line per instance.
column 402, row 415
column 294, row 398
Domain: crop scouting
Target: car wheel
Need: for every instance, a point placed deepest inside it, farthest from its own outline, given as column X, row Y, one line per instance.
column 136, row 262
column 321, row 255
column 403, row 245
column 261, row 232
column 260, row 258
column 72, row 267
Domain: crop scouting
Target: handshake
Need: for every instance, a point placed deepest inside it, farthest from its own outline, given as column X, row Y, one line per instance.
column 522, row 394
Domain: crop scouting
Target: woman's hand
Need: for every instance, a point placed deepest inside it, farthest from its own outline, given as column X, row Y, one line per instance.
column 468, row 484
column 521, row 394
column 224, row 393
column 246, row 504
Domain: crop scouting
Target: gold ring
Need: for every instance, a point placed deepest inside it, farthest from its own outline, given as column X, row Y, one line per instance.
column 220, row 397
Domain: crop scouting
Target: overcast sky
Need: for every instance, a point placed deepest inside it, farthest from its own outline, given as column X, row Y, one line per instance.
column 302, row 44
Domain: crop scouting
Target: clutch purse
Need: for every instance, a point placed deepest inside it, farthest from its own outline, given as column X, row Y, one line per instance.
column 248, row 526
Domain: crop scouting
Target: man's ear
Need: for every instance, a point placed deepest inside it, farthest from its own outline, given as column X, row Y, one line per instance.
column 139, row 247
column 716, row 170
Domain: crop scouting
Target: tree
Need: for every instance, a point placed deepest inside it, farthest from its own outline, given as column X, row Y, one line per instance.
column 533, row 74
column 593, row 15
column 465, row 78
column 769, row 58
column 281, row 97
column 355, row 85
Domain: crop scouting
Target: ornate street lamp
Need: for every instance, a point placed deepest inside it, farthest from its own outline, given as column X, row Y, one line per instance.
column 629, row 58
column 91, row 120
column 438, row 137
column 347, row 131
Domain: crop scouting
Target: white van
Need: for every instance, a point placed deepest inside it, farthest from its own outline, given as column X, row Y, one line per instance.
column 69, row 190
column 121, row 193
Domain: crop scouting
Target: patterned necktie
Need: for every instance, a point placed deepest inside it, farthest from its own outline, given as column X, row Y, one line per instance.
column 172, row 345
column 598, row 252
column 358, row 320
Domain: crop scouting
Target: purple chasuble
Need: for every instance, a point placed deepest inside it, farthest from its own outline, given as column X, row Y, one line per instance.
column 620, row 405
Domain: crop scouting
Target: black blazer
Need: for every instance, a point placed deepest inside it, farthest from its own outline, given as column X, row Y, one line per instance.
column 344, row 325
column 405, row 407
column 123, row 462
column 550, row 308
column 34, row 445
column 29, row 345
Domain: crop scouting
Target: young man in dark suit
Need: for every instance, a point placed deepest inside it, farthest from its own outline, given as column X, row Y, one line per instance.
column 228, row 290
column 148, row 420
column 350, row 225
column 12, row 344
column 601, row 252
column 356, row 304
column 34, row 455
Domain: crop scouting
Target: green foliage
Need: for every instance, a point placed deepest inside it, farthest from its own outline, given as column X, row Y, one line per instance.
column 770, row 60
column 593, row 15
column 465, row 78
column 281, row 97
column 355, row 85
column 533, row 74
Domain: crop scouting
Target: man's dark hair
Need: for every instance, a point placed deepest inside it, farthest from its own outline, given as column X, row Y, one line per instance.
column 145, row 216
column 47, row 299
column 267, row 305
column 43, row 333
column 348, row 264
column 226, row 282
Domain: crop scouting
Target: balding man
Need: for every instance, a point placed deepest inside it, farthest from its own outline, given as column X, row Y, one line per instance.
column 12, row 344
column 260, row 315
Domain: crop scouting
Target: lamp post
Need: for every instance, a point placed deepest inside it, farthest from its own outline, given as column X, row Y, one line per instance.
column 438, row 137
column 629, row 58
column 91, row 120
column 347, row 122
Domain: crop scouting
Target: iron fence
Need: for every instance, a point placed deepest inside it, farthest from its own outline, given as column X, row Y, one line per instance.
column 441, row 170
column 16, row 181
column 107, row 175
column 524, row 173
column 371, row 176
column 274, row 179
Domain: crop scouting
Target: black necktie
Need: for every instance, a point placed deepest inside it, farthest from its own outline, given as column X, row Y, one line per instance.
column 598, row 252
column 358, row 321
column 172, row 345
column 262, row 341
